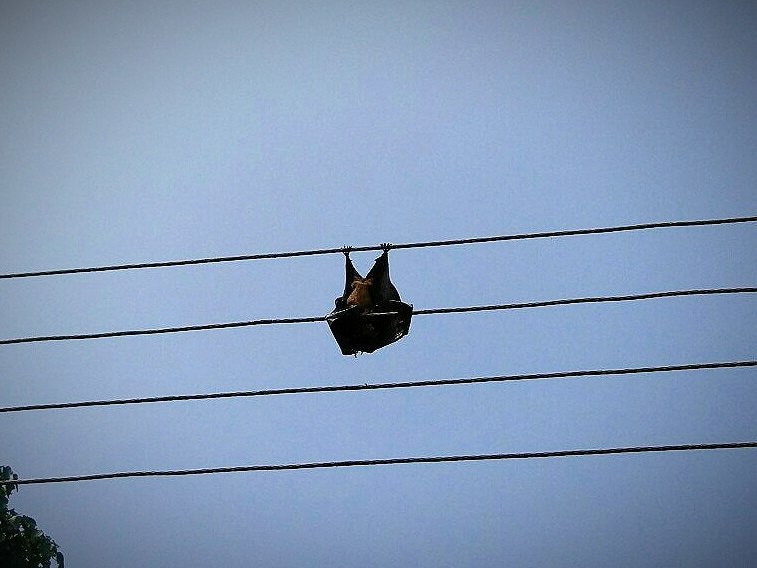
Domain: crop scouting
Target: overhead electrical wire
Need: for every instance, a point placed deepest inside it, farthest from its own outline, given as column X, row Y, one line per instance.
column 388, row 461
column 440, row 243
column 514, row 306
column 377, row 386
column 590, row 300
column 383, row 386
column 162, row 330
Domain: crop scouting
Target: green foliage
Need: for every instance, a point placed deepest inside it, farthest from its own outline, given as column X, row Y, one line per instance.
column 22, row 544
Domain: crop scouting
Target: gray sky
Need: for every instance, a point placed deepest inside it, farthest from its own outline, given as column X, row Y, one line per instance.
column 148, row 131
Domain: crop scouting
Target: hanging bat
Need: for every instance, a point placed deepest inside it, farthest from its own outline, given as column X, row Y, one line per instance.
column 369, row 314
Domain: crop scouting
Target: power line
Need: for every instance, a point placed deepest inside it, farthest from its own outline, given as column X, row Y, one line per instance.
column 162, row 330
column 539, row 304
column 389, row 461
column 261, row 256
column 384, row 386
column 590, row 300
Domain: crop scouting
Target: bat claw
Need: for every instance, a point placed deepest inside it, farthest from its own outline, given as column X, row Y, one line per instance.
column 386, row 246
column 346, row 250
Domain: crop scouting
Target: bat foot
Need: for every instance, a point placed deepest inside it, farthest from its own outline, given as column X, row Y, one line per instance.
column 386, row 246
column 346, row 250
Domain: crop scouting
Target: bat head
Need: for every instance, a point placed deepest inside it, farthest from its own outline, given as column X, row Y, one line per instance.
column 360, row 295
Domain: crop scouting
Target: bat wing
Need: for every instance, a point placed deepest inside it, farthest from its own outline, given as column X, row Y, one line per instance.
column 382, row 289
column 349, row 277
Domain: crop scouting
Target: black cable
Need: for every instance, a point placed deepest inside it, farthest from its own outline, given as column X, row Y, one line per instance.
column 389, row 461
column 590, row 300
column 540, row 304
column 383, row 386
column 521, row 236
column 162, row 330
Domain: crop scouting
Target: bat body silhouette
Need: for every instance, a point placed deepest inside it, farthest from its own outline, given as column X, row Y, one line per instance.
column 369, row 314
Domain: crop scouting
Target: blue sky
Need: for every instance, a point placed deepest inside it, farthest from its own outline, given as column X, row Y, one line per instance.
column 151, row 131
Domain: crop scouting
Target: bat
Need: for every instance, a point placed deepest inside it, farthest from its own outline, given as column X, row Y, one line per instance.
column 370, row 313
